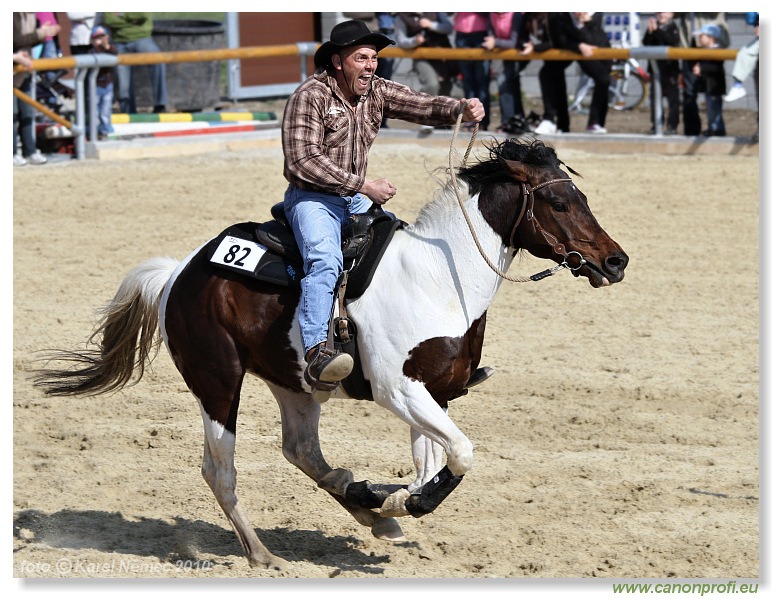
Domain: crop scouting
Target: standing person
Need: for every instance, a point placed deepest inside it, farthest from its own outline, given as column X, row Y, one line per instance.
column 583, row 33
column 427, row 30
column 81, row 25
column 503, row 32
column 663, row 31
column 711, row 80
column 132, row 33
column 688, row 24
column 26, row 35
column 328, row 127
column 534, row 36
column 101, row 44
column 471, row 29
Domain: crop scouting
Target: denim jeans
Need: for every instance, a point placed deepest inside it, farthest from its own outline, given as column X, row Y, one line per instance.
column 105, row 108
column 316, row 219
column 125, row 81
column 24, row 121
column 713, row 108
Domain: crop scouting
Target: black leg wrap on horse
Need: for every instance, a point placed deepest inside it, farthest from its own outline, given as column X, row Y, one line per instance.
column 370, row 495
column 433, row 492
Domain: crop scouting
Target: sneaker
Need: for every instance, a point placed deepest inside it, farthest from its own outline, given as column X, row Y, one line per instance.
column 596, row 129
column 546, row 127
column 735, row 93
column 36, row 158
column 19, row 160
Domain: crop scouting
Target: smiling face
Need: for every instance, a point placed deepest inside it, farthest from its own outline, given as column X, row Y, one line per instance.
column 354, row 69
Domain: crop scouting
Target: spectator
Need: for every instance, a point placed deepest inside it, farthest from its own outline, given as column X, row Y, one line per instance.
column 101, row 44
column 427, row 30
column 503, row 31
column 26, row 35
column 688, row 24
column 386, row 27
column 81, row 25
column 50, row 47
column 132, row 33
column 746, row 62
column 711, row 80
column 329, row 124
column 534, row 36
column 663, row 31
column 471, row 29
column 580, row 32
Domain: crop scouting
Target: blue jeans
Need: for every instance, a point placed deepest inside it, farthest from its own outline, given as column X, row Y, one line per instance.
column 105, row 108
column 24, row 121
column 713, row 108
column 125, row 82
column 316, row 219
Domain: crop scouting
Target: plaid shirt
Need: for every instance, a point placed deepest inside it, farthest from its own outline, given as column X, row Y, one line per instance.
column 326, row 140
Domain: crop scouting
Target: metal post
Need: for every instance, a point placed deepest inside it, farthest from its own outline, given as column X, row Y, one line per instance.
column 80, row 113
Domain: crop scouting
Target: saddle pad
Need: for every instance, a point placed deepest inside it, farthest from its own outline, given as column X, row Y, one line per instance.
column 237, row 250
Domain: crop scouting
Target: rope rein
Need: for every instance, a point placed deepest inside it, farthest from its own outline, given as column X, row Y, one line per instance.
column 536, row 277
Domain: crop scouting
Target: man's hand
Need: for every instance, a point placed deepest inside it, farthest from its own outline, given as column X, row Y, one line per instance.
column 379, row 191
column 473, row 110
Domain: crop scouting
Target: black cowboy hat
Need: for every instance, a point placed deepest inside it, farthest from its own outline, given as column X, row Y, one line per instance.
column 346, row 34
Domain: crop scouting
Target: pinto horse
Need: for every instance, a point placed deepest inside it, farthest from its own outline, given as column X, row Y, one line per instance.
column 420, row 327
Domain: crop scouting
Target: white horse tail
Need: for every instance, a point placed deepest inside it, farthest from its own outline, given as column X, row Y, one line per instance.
column 126, row 338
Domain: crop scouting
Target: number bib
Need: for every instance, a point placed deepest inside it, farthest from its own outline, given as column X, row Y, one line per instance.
column 238, row 253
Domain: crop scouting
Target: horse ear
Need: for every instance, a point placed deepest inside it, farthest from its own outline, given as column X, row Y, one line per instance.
column 519, row 171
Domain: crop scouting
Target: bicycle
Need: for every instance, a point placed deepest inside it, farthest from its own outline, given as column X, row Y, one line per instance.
column 627, row 90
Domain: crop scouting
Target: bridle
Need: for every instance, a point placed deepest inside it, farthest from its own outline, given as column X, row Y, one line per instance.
column 526, row 209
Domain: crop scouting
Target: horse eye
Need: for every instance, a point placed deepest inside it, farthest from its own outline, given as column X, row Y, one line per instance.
column 560, row 207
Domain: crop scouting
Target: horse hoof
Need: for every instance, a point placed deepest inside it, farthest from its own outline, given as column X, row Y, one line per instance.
column 388, row 530
column 275, row 563
column 394, row 505
column 336, row 481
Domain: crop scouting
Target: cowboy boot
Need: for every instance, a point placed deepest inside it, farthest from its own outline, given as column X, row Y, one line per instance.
column 325, row 370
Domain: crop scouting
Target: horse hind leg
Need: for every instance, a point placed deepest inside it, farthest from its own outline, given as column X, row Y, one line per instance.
column 219, row 472
column 300, row 446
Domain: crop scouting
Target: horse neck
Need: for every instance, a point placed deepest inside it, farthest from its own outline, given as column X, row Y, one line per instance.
column 444, row 239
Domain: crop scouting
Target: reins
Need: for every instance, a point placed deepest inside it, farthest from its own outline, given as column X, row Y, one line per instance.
column 526, row 209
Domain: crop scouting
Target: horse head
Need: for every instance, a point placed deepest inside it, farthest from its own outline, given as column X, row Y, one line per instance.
column 534, row 205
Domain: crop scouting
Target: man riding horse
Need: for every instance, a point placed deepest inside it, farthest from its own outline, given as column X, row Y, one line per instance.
column 330, row 123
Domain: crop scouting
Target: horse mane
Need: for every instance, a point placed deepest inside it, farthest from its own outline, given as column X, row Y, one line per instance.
column 473, row 178
column 530, row 152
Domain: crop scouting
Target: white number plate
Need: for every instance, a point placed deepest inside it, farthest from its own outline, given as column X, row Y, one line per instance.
column 235, row 252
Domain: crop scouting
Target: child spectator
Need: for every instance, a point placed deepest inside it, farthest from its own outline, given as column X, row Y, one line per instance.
column 663, row 31
column 101, row 44
column 711, row 80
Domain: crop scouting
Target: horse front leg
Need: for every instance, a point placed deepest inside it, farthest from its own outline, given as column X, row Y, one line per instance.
column 300, row 446
column 432, row 430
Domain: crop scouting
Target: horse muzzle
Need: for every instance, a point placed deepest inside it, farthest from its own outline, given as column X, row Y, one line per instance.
column 603, row 271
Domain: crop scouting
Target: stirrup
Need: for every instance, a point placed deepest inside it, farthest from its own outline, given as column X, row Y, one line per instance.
column 325, row 371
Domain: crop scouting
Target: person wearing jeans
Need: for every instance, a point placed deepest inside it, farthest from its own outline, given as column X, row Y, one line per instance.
column 132, row 33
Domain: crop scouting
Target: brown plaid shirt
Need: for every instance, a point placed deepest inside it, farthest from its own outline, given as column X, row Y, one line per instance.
column 326, row 140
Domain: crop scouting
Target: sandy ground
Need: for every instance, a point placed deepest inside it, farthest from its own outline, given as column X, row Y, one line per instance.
column 619, row 437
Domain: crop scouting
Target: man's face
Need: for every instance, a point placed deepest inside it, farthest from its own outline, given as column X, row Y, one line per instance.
column 355, row 68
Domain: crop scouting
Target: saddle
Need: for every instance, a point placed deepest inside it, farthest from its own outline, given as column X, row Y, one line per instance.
column 269, row 252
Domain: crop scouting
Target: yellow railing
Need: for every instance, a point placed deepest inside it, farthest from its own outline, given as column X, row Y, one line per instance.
column 305, row 49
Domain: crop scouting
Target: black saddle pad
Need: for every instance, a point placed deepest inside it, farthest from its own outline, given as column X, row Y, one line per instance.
column 238, row 250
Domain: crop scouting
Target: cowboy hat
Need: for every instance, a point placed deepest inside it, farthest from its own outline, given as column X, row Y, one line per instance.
column 347, row 34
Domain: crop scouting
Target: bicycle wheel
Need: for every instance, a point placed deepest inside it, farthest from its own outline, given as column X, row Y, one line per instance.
column 626, row 93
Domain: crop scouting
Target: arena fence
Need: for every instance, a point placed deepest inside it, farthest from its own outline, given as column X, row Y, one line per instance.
column 88, row 65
